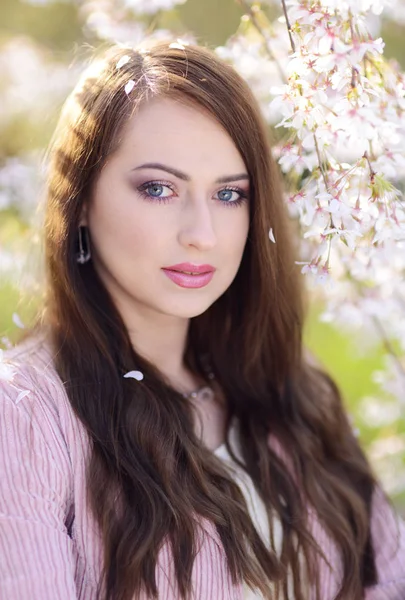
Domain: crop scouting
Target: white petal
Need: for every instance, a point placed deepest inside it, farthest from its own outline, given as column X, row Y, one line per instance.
column 134, row 375
column 17, row 321
column 130, row 86
column 22, row 395
column 177, row 45
column 271, row 235
column 123, row 61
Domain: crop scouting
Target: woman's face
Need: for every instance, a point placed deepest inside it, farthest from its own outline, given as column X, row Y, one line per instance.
column 175, row 191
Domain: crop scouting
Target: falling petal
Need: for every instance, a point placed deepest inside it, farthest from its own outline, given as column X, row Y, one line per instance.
column 271, row 235
column 179, row 45
column 22, row 395
column 17, row 321
column 130, row 86
column 123, row 61
column 134, row 375
column 6, row 370
column 6, row 342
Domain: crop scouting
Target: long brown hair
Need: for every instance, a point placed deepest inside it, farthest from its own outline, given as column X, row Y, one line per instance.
column 149, row 477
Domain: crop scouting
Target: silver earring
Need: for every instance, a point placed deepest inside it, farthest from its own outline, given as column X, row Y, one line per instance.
column 84, row 253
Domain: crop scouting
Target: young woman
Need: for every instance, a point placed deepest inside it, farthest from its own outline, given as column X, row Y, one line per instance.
column 163, row 432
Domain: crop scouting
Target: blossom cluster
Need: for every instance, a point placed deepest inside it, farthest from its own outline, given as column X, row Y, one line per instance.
column 342, row 109
column 32, row 82
column 112, row 20
column 339, row 108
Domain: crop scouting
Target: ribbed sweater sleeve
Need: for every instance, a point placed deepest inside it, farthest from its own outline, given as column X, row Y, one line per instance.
column 388, row 536
column 36, row 558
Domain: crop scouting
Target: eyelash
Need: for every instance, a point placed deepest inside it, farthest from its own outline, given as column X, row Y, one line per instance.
column 142, row 190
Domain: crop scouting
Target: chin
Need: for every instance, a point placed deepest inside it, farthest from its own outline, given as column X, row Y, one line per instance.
column 188, row 310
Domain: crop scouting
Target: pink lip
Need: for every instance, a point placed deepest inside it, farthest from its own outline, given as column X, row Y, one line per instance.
column 191, row 268
column 189, row 281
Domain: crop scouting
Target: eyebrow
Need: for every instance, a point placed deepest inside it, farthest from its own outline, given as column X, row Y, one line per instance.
column 185, row 177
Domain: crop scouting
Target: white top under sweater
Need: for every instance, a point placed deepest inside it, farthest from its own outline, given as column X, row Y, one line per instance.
column 255, row 504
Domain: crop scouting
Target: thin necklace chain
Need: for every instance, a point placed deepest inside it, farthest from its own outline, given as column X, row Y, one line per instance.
column 204, row 392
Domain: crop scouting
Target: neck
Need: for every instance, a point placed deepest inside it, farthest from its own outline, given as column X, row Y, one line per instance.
column 161, row 339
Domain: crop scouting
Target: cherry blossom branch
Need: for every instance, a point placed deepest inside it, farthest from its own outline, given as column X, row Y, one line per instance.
column 250, row 12
column 325, row 180
column 354, row 70
column 288, row 25
column 388, row 346
column 378, row 325
column 372, row 172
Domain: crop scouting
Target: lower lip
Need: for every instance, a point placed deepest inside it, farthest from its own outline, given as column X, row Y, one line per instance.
column 189, row 281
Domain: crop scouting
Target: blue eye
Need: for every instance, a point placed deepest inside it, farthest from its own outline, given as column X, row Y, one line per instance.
column 225, row 195
column 232, row 196
column 162, row 191
column 156, row 190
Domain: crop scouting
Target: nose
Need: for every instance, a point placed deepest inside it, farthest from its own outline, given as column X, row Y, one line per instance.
column 197, row 225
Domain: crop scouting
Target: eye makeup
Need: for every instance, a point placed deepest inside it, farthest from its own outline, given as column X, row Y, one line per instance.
column 150, row 191
column 152, row 196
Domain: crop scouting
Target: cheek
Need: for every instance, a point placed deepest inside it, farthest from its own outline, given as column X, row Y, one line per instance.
column 121, row 229
column 236, row 235
column 112, row 235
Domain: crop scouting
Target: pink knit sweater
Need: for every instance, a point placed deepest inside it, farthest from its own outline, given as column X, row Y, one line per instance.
column 50, row 547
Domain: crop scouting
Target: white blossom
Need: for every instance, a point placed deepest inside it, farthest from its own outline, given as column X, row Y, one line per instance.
column 152, row 6
column 342, row 106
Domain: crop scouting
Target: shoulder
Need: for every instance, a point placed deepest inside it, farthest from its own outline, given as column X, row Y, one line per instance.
column 37, row 477
column 33, row 401
column 388, row 535
column 27, row 360
column 28, row 378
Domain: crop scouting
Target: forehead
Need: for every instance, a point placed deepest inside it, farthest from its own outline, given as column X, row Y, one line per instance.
column 167, row 129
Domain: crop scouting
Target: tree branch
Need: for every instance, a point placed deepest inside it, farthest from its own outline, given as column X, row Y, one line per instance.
column 388, row 346
column 253, row 19
column 320, row 163
column 288, row 25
